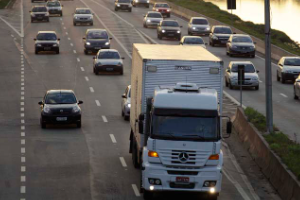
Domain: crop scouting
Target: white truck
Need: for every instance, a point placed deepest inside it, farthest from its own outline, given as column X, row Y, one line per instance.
column 175, row 119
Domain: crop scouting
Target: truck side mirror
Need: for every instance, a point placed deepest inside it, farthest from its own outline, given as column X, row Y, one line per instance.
column 229, row 127
column 124, row 95
column 141, row 123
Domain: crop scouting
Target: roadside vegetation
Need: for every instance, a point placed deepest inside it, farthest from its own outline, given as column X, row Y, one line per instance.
column 208, row 9
column 3, row 3
column 285, row 148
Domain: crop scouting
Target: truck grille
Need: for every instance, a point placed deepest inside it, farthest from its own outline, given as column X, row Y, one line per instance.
column 183, row 173
column 184, row 186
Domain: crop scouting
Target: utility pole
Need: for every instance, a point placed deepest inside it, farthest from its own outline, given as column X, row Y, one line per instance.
column 269, row 103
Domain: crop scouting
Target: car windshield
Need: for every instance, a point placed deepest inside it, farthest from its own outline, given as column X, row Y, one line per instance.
column 53, row 4
column 46, row 36
column 108, row 55
column 162, row 5
column 60, row 98
column 185, row 127
column 39, row 9
column 170, row 23
column 193, row 41
column 223, row 30
column 242, row 39
column 97, row 35
column 154, row 15
column 292, row 61
column 249, row 68
column 200, row 21
column 83, row 11
column 124, row 1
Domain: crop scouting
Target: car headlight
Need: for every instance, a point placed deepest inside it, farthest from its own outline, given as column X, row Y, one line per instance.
column 194, row 28
column 148, row 1
column 32, row 14
column 148, row 20
column 163, row 31
column 251, row 48
column 55, row 45
column 168, row 10
column 47, row 14
column 215, row 37
column 234, row 47
column 119, row 64
column 38, row 45
column 207, row 28
column 157, row 10
column 76, row 109
column 46, row 109
column 118, row 5
column 99, row 64
column 88, row 43
column 137, row 1
column 106, row 43
column 178, row 31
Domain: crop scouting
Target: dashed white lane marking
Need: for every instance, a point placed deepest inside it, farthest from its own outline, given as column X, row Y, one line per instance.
column 22, row 72
column 22, row 103
column 22, row 97
column 22, row 109
column 123, row 162
column 22, row 115
column 69, row 38
column 22, row 134
column 23, row 150
column 65, row 28
column 23, row 189
column 74, row 51
column 23, row 169
column 22, row 121
column 22, row 141
column 71, row 44
column 135, row 189
column 87, row 78
column 104, row 119
column 22, row 79
column 92, row 89
column 22, row 93
column 283, row 95
column 112, row 137
column 22, row 88
column 23, row 159
column 78, row 59
column 82, row 69
column 67, row 33
column 97, row 103
column 23, row 178
column 22, row 127
column 60, row 18
column 62, row 23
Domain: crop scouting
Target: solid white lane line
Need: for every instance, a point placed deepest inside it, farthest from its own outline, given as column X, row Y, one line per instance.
column 283, row 95
column 112, row 137
column 23, row 169
column 86, row 78
column 104, row 119
column 23, row 189
column 74, row 51
column 23, row 150
column 92, row 89
column 135, row 189
column 123, row 162
column 71, row 44
column 23, row 178
column 82, row 69
column 78, row 59
column 23, row 141
column 22, row 79
column 97, row 103
column 23, row 159
column 22, row 134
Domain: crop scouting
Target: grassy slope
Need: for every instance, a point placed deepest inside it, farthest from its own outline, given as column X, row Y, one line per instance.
column 208, row 9
column 3, row 3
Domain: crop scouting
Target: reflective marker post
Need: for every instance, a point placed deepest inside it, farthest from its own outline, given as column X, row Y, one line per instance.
column 241, row 78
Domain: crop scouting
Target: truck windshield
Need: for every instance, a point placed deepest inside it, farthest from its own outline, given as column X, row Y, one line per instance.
column 185, row 128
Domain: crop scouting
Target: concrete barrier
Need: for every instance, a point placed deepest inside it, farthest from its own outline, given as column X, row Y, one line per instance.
column 283, row 180
column 276, row 52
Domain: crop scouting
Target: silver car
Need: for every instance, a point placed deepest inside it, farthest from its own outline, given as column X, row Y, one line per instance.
column 108, row 61
column 126, row 103
column 193, row 40
column 83, row 16
column 297, row 88
column 55, row 8
column 152, row 18
column 198, row 26
column 251, row 76
column 288, row 68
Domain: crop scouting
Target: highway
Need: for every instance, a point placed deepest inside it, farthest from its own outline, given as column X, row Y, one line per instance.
column 64, row 162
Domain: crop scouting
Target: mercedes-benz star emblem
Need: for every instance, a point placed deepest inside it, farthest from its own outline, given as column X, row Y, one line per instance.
column 183, row 157
column 61, row 111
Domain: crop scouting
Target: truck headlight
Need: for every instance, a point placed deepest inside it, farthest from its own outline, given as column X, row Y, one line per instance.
column 129, row 105
column 148, row 1
column 212, row 190
column 88, row 43
column 163, row 31
column 168, row 10
column 207, row 28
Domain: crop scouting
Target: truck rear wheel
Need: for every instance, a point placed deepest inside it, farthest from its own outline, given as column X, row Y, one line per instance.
column 134, row 156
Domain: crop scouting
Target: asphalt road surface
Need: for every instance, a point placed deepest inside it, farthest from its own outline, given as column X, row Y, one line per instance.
column 91, row 163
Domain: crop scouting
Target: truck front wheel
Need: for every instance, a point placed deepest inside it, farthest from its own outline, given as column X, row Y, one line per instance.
column 148, row 195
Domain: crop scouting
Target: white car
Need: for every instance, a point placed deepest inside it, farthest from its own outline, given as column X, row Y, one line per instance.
column 198, row 26
column 126, row 103
column 108, row 61
column 55, row 8
column 251, row 76
column 152, row 18
column 83, row 16
column 297, row 88
column 288, row 68
column 193, row 40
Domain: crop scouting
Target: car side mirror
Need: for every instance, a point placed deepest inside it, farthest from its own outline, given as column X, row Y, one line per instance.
column 58, row 39
column 234, row 32
column 180, row 26
column 227, row 70
column 94, row 57
column 110, row 38
column 83, row 38
column 254, row 42
column 229, row 127
column 257, row 71
column 124, row 96
column 80, row 102
column 34, row 39
column 280, row 64
column 40, row 103
column 123, row 58
column 141, row 123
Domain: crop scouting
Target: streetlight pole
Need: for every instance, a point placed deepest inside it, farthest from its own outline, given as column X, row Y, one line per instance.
column 269, row 104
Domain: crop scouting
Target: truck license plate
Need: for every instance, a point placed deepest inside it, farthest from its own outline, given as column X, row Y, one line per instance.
column 182, row 179
column 59, row 119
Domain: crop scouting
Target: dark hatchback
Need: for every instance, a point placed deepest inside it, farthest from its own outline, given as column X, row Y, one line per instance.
column 46, row 41
column 219, row 35
column 96, row 39
column 169, row 29
column 240, row 45
column 60, row 107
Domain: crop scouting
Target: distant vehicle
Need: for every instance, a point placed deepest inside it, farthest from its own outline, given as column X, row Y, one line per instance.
column 39, row 13
column 46, row 41
column 288, row 68
column 251, row 76
column 32, row 1
column 219, row 35
column 108, row 61
column 297, row 88
column 198, row 26
column 123, row 5
column 163, row 8
column 126, row 103
column 240, row 45
column 55, row 8
column 145, row 3
column 169, row 29
column 60, row 107
column 192, row 40
column 96, row 39
column 152, row 18
column 83, row 16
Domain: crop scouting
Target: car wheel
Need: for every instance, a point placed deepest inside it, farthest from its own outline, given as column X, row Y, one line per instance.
column 145, row 26
column 212, row 43
column 43, row 124
column 116, row 9
column 130, row 10
column 74, row 23
column 47, row 20
column 57, row 51
column 226, row 83
column 95, row 71
column 278, row 78
column 31, row 20
column 85, row 52
column 122, row 72
column 78, row 124
column 257, row 87
column 36, row 51
column 295, row 96
column 189, row 33
column 159, row 36
column 92, row 24
column 282, row 79
column 253, row 56
column 148, row 195
column 133, row 5
column 213, row 197
column 230, row 86
column 169, row 15
column 61, row 14
column 147, row 6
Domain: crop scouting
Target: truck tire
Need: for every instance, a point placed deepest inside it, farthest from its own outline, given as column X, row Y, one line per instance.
column 148, row 195
column 134, row 155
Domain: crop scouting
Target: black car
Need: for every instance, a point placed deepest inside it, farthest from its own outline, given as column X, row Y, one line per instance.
column 219, row 35
column 169, row 29
column 60, row 107
column 240, row 44
column 46, row 41
column 39, row 13
column 96, row 39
